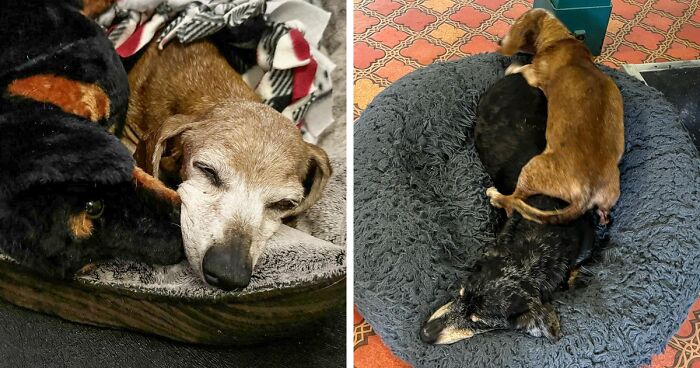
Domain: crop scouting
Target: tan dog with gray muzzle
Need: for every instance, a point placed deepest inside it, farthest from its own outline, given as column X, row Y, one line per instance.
column 239, row 165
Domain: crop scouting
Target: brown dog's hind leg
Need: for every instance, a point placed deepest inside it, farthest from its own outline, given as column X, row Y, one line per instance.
column 542, row 176
column 499, row 200
column 607, row 197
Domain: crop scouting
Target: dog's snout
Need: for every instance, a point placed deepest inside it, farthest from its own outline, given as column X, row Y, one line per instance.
column 228, row 266
column 431, row 330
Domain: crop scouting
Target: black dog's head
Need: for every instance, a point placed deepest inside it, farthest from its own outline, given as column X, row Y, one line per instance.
column 509, row 286
column 492, row 297
column 57, row 230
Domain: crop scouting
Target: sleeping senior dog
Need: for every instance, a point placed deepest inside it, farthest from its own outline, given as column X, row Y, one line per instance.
column 511, row 285
column 240, row 167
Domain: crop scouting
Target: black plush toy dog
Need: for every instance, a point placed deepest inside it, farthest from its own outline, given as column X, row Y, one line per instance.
column 70, row 194
column 509, row 288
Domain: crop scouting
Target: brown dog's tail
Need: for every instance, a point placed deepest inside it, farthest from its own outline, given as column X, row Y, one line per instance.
column 569, row 213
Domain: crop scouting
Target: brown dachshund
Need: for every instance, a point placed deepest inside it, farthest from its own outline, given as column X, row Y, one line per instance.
column 585, row 133
column 239, row 166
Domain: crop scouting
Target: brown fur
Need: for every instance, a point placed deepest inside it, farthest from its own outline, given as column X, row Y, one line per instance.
column 241, row 167
column 80, row 225
column 93, row 8
column 585, row 133
column 73, row 97
column 166, row 103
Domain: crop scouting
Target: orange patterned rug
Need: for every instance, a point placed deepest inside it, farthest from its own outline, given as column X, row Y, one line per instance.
column 395, row 37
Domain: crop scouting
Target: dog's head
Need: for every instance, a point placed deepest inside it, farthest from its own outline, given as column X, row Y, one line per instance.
column 58, row 229
column 490, row 298
column 534, row 30
column 242, row 169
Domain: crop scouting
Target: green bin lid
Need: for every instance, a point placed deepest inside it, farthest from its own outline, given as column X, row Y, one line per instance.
column 564, row 4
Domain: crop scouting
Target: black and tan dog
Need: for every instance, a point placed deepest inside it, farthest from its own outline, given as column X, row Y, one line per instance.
column 70, row 194
column 511, row 285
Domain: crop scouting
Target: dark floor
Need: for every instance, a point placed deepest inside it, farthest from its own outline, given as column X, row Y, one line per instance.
column 29, row 339
column 682, row 88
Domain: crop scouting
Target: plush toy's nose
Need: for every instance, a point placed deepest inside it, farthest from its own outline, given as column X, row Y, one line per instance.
column 230, row 266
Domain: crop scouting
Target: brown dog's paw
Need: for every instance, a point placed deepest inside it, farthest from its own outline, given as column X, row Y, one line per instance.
column 513, row 69
column 604, row 216
column 495, row 197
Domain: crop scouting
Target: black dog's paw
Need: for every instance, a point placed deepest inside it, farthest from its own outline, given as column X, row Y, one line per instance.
column 540, row 321
column 578, row 278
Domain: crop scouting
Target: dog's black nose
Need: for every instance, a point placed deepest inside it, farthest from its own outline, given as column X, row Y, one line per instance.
column 228, row 267
column 431, row 330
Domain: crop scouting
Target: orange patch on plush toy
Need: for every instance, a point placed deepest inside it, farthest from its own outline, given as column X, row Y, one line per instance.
column 80, row 225
column 155, row 186
column 93, row 8
column 74, row 97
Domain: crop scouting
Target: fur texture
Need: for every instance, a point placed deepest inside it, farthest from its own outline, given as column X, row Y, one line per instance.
column 68, row 192
column 510, row 286
column 421, row 217
column 240, row 167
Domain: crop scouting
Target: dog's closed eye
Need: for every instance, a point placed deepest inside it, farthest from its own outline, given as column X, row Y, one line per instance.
column 283, row 205
column 210, row 173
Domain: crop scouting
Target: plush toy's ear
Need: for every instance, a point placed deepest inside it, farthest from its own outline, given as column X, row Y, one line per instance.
column 317, row 175
column 540, row 320
column 155, row 188
column 149, row 153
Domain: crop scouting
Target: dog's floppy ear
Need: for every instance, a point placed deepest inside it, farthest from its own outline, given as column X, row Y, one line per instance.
column 317, row 175
column 540, row 320
column 149, row 152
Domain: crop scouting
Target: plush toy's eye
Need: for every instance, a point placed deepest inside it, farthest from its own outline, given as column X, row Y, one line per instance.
column 94, row 209
column 283, row 205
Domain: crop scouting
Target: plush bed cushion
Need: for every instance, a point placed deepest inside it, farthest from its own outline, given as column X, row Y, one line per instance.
column 421, row 215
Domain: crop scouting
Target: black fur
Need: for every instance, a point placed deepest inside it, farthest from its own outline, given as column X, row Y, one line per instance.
column 51, row 36
column 509, row 288
column 53, row 163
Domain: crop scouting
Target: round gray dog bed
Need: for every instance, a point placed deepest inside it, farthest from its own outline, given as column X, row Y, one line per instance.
column 421, row 216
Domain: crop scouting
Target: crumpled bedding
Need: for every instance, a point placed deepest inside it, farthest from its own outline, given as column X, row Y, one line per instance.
column 274, row 45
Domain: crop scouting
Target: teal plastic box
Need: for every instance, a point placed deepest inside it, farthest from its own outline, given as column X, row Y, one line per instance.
column 587, row 19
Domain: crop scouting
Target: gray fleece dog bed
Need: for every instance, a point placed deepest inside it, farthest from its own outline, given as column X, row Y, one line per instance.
column 421, row 216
